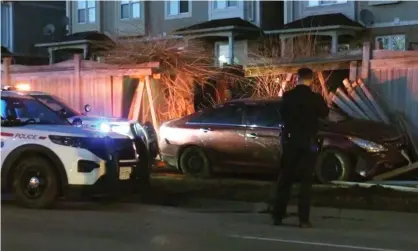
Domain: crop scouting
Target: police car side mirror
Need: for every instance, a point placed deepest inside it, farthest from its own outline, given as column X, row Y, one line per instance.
column 87, row 108
column 77, row 122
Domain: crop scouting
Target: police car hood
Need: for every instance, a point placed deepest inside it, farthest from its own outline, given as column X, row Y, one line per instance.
column 100, row 119
column 67, row 130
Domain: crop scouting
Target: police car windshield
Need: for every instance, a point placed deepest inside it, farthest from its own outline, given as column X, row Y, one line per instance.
column 57, row 105
column 29, row 110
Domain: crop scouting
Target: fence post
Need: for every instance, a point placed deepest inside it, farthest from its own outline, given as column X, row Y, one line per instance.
column 7, row 61
column 353, row 71
column 77, row 79
column 365, row 66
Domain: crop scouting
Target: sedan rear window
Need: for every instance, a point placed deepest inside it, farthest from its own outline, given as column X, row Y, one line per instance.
column 224, row 115
column 263, row 115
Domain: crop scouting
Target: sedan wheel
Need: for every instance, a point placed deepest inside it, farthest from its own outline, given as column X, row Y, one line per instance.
column 193, row 162
column 332, row 165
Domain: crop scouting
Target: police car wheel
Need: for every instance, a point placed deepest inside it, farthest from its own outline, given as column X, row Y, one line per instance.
column 193, row 162
column 35, row 183
column 332, row 165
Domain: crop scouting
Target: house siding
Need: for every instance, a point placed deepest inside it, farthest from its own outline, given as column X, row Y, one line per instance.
column 6, row 26
column 404, row 10
column 271, row 15
column 38, row 15
column 157, row 24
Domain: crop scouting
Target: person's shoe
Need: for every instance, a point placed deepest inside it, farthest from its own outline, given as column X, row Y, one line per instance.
column 305, row 225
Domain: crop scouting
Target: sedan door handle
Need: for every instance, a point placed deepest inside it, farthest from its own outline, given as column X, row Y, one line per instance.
column 251, row 135
column 204, row 129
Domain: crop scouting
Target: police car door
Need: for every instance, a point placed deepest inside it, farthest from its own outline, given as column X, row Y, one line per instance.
column 262, row 136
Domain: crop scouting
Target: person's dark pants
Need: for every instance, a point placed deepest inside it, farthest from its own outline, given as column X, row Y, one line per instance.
column 297, row 166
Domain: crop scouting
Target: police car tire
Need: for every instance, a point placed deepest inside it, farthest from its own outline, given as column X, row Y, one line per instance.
column 343, row 159
column 47, row 199
column 193, row 151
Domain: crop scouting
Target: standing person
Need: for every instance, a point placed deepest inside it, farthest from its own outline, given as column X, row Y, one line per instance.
column 301, row 108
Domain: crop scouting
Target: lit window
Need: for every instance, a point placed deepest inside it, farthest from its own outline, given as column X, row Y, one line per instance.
column 222, row 4
column 86, row 12
column 324, row 3
column 176, row 7
column 222, row 53
column 394, row 42
column 130, row 9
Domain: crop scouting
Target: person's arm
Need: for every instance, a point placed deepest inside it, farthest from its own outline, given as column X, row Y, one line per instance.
column 322, row 107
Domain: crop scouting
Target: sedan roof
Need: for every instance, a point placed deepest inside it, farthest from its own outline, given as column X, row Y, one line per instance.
column 255, row 100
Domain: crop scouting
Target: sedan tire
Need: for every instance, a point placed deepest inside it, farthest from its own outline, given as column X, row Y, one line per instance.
column 333, row 165
column 193, row 162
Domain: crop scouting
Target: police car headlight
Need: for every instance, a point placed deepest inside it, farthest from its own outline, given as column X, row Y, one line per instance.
column 122, row 129
column 368, row 145
column 104, row 127
column 67, row 141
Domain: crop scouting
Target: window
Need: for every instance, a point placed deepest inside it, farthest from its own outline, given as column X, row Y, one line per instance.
column 263, row 115
column 324, row 3
column 394, row 42
column 175, row 8
column 56, row 104
column 224, row 115
column 86, row 12
column 130, row 9
column 224, row 4
column 25, row 109
column 222, row 53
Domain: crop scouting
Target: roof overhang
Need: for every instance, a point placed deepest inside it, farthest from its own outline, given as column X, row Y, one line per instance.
column 64, row 43
column 315, row 29
column 208, row 31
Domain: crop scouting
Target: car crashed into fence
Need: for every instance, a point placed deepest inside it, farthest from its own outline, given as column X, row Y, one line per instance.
column 44, row 157
column 243, row 136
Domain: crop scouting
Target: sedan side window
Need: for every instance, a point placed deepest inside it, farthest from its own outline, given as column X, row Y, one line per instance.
column 225, row 115
column 263, row 115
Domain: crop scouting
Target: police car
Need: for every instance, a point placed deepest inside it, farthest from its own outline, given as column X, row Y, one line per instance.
column 44, row 157
column 104, row 124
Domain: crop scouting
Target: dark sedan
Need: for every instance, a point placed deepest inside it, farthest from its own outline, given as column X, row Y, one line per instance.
column 244, row 136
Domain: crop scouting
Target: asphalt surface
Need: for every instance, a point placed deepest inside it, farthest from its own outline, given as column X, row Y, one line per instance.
column 140, row 227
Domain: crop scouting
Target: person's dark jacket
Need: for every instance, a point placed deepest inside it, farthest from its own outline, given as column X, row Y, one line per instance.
column 301, row 110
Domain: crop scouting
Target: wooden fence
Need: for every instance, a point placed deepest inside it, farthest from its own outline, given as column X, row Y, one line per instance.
column 79, row 82
column 393, row 75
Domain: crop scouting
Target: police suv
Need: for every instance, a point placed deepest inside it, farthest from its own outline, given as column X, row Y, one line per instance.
column 44, row 157
column 104, row 124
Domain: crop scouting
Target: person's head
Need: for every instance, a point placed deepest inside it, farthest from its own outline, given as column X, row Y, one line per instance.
column 305, row 76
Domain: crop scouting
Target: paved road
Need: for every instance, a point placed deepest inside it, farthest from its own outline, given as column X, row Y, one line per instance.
column 147, row 228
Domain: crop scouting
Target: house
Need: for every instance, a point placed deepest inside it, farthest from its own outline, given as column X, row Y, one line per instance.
column 224, row 24
column 25, row 23
column 344, row 24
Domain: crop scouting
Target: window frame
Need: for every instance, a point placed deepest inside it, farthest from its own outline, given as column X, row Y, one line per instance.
column 130, row 3
column 227, row 6
column 391, row 41
column 86, row 11
column 180, row 15
column 325, row 3
column 216, row 109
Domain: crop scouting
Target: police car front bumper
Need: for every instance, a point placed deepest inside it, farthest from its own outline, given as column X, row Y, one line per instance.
column 117, row 179
column 119, row 176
